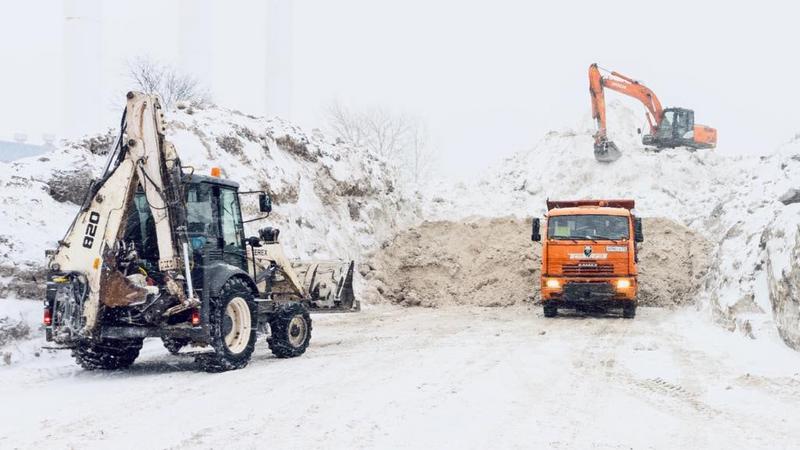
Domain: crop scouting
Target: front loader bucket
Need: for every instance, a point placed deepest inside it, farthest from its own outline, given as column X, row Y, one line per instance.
column 606, row 152
column 329, row 284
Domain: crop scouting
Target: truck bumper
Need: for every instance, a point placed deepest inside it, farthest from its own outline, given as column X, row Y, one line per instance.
column 194, row 334
column 590, row 296
column 198, row 335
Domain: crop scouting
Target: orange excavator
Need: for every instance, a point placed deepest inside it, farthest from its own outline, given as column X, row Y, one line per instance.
column 669, row 128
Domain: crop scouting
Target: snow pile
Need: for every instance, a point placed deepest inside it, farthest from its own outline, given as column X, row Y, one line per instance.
column 733, row 201
column 673, row 262
column 331, row 200
column 485, row 262
column 492, row 262
column 19, row 322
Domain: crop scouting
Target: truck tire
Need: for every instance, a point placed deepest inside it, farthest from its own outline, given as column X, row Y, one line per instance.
column 234, row 321
column 550, row 310
column 107, row 354
column 290, row 328
column 629, row 310
column 174, row 345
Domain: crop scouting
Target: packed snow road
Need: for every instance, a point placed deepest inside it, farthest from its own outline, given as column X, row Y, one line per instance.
column 431, row 378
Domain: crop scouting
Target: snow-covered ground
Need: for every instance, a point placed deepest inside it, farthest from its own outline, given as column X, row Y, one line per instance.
column 451, row 377
column 465, row 377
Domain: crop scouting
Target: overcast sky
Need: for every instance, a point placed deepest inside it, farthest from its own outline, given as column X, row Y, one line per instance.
column 490, row 77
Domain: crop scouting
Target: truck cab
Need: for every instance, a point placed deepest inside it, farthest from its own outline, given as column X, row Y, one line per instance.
column 589, row 256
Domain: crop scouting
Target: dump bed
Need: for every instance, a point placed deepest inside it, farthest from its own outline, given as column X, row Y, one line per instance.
column 619, row 203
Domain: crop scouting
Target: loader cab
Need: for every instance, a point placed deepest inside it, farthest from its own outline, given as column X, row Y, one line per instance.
column 214, row 221
column 676, row 128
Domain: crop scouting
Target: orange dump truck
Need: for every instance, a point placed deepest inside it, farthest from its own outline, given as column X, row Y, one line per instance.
column 589, row 255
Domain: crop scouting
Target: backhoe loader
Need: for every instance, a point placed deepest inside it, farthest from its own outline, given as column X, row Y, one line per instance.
column 669, row 128
column 159, row 251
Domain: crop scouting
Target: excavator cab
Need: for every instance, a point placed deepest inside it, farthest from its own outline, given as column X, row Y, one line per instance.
column 675, row 129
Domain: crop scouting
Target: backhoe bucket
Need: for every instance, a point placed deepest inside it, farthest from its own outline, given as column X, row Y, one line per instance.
column 606, row 152
column 329, row 284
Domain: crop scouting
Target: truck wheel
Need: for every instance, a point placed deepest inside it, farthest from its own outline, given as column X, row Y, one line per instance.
column 629, row 310
column 107, row 354
column 234, row 321
column 290, row 328
column 174, row 345
column 550, row 310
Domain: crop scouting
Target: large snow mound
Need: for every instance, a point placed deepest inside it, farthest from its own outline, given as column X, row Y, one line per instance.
column 492, row 262
column 331, row 200
column 732, row 201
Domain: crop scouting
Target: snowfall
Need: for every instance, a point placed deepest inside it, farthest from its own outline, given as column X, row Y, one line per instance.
column 718, row 369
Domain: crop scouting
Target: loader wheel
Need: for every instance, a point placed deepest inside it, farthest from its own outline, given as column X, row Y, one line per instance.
column 550, row 310
column 107, row 354
column 629, row 310
column 290, row 328
column 234, row 321
column 174, row 345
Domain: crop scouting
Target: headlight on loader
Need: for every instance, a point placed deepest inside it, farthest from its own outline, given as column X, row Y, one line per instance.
column 623, row 283
column 552, row 283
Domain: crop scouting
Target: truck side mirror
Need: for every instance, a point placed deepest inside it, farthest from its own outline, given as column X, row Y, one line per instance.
column 638, row 131
column 535, row 234
column 638, row 234
column 264, row 203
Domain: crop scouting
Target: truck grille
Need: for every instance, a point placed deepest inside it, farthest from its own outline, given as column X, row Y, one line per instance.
column 587, row 269
column 588, row 291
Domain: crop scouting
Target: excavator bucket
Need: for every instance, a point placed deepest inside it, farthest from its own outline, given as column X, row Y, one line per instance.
column 329, row 284
column 606, row 152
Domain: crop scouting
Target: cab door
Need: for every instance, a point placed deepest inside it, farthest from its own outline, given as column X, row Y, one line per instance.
column 231, row 228
column 684, row 124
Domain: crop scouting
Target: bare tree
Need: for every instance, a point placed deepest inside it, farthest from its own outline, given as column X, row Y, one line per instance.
column 173, row 87
column 401, row 139
column 346, row 124
column 422, row 155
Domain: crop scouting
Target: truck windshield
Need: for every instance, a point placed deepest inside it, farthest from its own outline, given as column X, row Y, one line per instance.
column 588, row 226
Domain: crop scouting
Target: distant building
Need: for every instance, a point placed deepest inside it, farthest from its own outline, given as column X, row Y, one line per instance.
column 10, row 151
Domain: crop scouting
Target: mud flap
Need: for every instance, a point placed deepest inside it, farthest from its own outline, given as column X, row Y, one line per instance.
column 606, row 152
column 329, row 284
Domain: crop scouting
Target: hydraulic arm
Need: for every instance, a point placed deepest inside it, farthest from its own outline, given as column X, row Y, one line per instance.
column 142, row 158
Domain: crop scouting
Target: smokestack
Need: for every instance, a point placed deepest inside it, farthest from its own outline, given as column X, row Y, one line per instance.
column 82, row 44
column 279, row 59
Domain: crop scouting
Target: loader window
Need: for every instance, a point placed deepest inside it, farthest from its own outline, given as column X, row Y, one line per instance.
column 140, row 228
column 588, row 226
column 232, row 229
column 199, row 215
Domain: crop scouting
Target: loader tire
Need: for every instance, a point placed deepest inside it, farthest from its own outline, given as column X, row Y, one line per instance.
column 290, row 328
column 174, row 345
column 234, row 321
column 550, row 310
column 107, row 354
column 629, row 311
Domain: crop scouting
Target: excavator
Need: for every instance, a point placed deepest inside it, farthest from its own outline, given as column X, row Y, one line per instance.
column 157, row 250
column 669, row 127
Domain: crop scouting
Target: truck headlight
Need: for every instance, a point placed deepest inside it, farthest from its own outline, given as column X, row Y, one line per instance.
column 552, row 283
column 623, row 283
